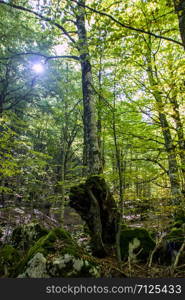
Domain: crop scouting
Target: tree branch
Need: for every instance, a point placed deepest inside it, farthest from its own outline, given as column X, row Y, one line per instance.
column 153, row 161
column 128, row 26
column 47, row 19
column 42, row 55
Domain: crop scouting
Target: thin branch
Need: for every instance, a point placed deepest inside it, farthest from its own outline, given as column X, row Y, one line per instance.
column 153, row 161
column 128, row 26
column 47, row 19
column 158, row 245
column 151, row 179
column 42, row 55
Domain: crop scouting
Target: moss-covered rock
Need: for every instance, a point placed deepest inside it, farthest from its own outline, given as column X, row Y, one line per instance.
column 36, row 267
column 9, row 259
column 172, row 242
column 180, row 216
column 136, row 243
column 57, row 255
column 176, row 235
column 24, row 236
column 57, row 240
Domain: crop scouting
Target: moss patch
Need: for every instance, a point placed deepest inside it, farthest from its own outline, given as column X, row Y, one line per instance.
column 24, row 236
column 56, row 255
column 128, row 242
column 9, row 258
column 176, row 236
column 56, row 242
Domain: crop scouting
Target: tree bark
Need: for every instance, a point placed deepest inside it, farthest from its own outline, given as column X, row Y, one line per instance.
column 89, row 117
column 120, row 174
column 173, row 170
column 97, row 207
column 180, row 135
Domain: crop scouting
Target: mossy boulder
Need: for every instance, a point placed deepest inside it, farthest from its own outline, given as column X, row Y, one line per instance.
column 176, row 235
column 172, row 242
column 180, row 216
column 24, row 236
column 9, row 259
column 57, row 255
column 36, row 267
column 136, row 243
column 57, row 240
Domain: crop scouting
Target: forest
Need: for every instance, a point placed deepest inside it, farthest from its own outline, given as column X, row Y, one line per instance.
column 92, row 144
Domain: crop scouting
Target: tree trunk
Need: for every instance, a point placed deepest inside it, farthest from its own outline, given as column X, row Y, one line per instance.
column 172, row 161
column 96, row 206
column 89, row 117
column 180, row 135
column 173, row 172
column 120, row 174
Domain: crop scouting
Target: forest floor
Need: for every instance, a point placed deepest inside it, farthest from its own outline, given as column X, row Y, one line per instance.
column 13, row 216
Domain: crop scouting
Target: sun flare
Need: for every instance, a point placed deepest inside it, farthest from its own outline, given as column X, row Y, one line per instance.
column 38, row 68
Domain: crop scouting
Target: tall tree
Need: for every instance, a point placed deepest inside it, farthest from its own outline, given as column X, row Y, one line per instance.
column 90, row 129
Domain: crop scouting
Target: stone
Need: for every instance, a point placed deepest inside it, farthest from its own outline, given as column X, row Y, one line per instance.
column 36, row 267
column 171, row 244
column 9, row 259
column 136, row 243
column 57, row 255
column 24, row 236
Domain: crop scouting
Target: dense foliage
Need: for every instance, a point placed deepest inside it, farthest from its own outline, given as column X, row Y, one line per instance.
column 93, row 87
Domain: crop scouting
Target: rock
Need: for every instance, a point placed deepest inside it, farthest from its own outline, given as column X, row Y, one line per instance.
column 36, row 267
column 136, row 243
column 170, row 246
column 179, row 222
column 57, row 255
column 24, row 236
column 9, row 259
column 70, row 266
column 176, row 235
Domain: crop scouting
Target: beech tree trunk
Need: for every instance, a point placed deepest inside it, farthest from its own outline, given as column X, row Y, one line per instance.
column 180, row 135
column 173, row 170
column 92, row 150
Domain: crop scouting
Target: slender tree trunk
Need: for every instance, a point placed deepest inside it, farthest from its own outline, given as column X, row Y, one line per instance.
column 89, row 117
column 121, row 189
column 172, row 160
column 62, row 187
column 180, row 135
column 99, row 122
column 173, row 172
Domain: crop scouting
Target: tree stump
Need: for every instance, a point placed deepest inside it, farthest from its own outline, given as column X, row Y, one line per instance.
column 97, row 207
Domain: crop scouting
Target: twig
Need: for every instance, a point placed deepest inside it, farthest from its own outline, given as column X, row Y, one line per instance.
column 178, row 255
column 155, row 249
